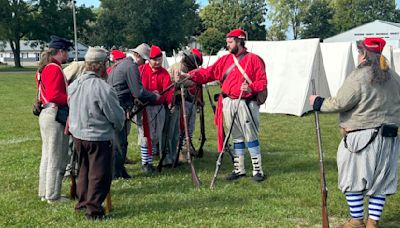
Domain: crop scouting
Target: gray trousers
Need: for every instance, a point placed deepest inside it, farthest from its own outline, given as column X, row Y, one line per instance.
column 171, row 135
column 372, row 170
column 156, row 118
column 191, row 117
column 54, row 154
column 245, row 127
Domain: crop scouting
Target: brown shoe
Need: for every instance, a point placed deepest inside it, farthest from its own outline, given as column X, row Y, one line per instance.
column 354, row 223
column 372, row 223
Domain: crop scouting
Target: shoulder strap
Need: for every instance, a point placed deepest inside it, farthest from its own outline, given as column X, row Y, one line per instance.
column 246, row 77
column 232, row 66
column 40, row 85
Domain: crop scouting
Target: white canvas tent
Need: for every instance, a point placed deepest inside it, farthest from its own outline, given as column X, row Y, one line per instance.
column 338, row 63
column 290, row 66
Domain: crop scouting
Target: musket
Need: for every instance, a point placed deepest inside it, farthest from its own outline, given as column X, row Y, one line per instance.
column 226, row 139
column 203, row 138
column 164, row 140
column 141, row 107
column 195, row 178
column 324, row 189
column 208, row 91
column 72, row 175
column 214, row 108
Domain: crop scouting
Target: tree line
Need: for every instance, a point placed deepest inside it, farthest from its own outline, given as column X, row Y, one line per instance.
column 171, row 24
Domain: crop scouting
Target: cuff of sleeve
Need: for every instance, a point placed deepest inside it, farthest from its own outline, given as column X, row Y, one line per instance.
column 318, row 103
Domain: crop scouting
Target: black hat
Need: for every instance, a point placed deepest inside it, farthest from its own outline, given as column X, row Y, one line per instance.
column 60, row 43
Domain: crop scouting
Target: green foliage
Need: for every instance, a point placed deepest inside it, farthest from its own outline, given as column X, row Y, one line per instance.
column 167, row 24
column 212, row 40
column 352, row 13
column 288, row 14
column 16, row 20
column 290, row 197
column 276, row 32
column 219, row 17
column 38, row 19
column 60, row 14
column 230, row 14
column 317, row 21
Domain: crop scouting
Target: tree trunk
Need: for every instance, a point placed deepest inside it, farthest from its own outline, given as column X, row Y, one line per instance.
column 15, row 47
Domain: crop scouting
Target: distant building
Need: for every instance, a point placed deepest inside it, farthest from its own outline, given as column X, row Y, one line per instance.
column 30, row 52
column 387, row 30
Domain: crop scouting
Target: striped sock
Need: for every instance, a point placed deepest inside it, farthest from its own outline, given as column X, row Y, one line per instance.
column 144, row 154
column 375, row 206
column 355, row 200
column 150, row 160
column 239, row 148
column 254, row 148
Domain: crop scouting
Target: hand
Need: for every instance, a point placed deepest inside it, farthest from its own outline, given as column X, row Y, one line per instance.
column 157, row 95
column 184, row 75
column 176, row 75
column 171, row 108
column 311, row 99
column 245, row 87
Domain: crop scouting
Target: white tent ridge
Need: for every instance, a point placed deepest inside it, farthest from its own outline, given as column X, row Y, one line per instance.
column 290, row 66
column 338, row 63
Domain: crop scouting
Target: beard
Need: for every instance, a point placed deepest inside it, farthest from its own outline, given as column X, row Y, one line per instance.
column 234, row 50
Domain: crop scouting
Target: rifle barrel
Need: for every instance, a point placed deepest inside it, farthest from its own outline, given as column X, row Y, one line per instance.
column 323, row 187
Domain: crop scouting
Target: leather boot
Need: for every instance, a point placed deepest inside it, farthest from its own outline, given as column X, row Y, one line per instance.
column 372, row 223
column 354, row 223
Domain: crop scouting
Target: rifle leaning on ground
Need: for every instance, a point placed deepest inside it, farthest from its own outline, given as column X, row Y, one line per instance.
column 324, row 189
column 72, row 169
column 195, row 178
column 108, row 203
column 203, row 138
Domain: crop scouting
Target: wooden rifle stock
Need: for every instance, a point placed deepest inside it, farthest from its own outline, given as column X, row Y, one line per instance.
column 195, row 178
column 72, row 190
column 323, row 187
column 108, row 203
column 72, row 175
column 140, row 108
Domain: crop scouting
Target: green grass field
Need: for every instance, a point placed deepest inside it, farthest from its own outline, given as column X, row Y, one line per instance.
column 290, row 197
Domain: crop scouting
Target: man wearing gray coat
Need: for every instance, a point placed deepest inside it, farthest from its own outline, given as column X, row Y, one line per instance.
column 95, row 114
column 125, row 79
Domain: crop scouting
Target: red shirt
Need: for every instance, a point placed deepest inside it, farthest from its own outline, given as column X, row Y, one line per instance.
column 156, row 80
column 54, row 86
column 254, row 67
column 251, row 64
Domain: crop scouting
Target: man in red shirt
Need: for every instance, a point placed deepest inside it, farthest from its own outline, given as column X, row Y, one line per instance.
column 52, row 87
column 155, row 79
column 244, row 81
column 117, row 56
